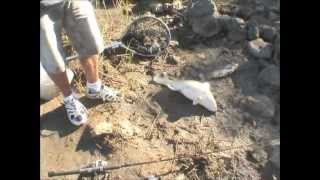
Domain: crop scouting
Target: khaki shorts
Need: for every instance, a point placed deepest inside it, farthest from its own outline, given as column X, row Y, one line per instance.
column 79, row 22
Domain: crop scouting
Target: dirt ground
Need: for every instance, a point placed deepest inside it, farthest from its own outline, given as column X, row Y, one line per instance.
column 156, row 122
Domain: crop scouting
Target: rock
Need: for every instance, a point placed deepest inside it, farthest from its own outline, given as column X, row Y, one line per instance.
column 259, row 156
column 268, row 33
column 103, row 128
column 201, row 8
column 276, row 119
column 260, row 9
column 263, row 63
column 235, row 27
column 233, row 23
column 272, row 16
column 236, row 30
column 259, row 105
column 269, row 78
column 275, row 156
column 260, row 49
column 171, row 59
column 276, row 55
column 206, row 27
column 237, row 35
column 252, row 31
column 244, row 12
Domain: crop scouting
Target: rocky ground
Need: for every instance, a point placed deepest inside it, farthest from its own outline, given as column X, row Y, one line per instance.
column 233, row 45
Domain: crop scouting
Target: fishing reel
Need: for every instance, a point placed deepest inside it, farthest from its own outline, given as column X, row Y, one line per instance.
column 95, row 168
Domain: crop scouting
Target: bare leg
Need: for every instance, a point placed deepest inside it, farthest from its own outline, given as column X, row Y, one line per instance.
column 61, row 80
column 90, row 67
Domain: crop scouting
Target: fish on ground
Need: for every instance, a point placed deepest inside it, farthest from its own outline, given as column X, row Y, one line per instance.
column 197, row 92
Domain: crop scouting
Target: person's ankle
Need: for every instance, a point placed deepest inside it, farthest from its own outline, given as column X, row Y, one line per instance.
column 96, row 86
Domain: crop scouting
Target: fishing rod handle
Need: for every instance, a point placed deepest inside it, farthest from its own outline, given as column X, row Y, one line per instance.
column 63, row 173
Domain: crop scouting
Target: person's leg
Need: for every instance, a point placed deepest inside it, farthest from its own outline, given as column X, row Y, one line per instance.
column 83, row 30
column 51, row 54
column 90, row 67
column 53, row 62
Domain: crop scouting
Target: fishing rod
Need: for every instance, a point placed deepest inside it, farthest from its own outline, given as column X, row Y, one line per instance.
column 100, row 167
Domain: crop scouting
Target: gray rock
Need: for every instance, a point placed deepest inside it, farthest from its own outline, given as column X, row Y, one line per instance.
column 233, row 23
column 263, row 63
column 206, row 27
column 276, row 55
column 272, row 16
column 260, row 49
column 268, row 33
column 253, row 31
column 277, row 117
column 259, row 156
column 244, row 12
column 237, row 34
column 200, row 8
column 269, row 78
column 258, row 105
column 235, row 27
column 275, row 156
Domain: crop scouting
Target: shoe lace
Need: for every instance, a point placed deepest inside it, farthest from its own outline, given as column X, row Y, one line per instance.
column 73, row 108
column 109, row 94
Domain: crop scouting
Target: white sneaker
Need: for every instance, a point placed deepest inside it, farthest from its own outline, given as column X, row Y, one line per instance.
column 76, row 112
column 105, row 93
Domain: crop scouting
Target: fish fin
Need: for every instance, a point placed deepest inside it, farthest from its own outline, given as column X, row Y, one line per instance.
column 196, row 101
column 171, row 87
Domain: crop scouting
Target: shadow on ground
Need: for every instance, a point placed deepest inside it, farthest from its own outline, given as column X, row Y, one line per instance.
column 176, row 106
column 57, row 120
column 88, row 143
